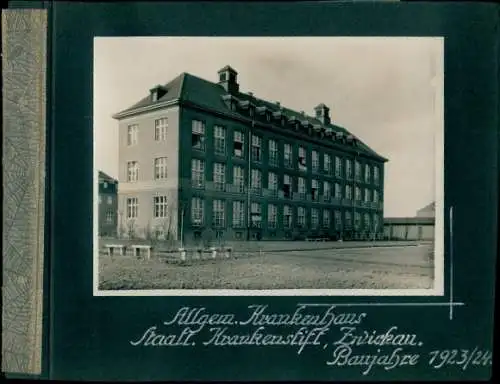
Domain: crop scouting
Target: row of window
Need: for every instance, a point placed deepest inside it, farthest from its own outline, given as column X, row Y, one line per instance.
column 109, row 199
column 161, row 210
column 160, row 169
column 329, row 189
column 160, row 132
column 301, row 160
column 110, row 217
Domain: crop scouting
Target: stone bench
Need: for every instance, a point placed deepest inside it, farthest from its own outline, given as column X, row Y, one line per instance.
column 137, row 249
column 204, row 254
column 317, row 239
column 111, row 247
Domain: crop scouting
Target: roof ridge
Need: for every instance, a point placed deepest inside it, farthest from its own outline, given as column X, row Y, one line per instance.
column 181, row 88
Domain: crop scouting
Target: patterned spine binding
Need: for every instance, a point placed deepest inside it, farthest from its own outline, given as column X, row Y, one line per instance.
column 24, row 38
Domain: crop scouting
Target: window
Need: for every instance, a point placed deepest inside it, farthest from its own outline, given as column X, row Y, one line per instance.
column 132, row 134
column 315, row 161
column 315, row 190
column 301, row 217
column 368, row 223
column 375, row 196
column 338, row 191
column 105, row 185
column 197, row 173
column 197, row 210
column 219, row 140
column 368, row 196
column 239, row 179
column 327, row 164
column 357, row 194
column 314, row 217
column 348, row 168
column 218, row 214
column 376, row 175
column 109, row 217
column 272, row 215
column 302, row 188
column 238, row 214
column 348, row 192
column 100, row 199
column 287, row 186
column 160, row 206
column 348, row 219
column 256, row 215
column 338, row 219
column 132, row 208
column 219, row 176
column 357, row 171
column 161, row 127
column 327, row 190
column 161, row 168
column 326, row 218
column 338, row 166
column 256, row 181
column 256, row 148
column 198, row 135
column 357, row 220
column 238, row 143
column 375, row 221
column 367, row 174
column 273, row 182
column 287, row 217
column 132, row 171
column 287, row 155
column 273, row 153
column 110, row 200
column 302, row 159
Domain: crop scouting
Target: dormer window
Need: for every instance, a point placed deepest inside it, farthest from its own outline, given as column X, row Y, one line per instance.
column 222, row 76
column 157, row 93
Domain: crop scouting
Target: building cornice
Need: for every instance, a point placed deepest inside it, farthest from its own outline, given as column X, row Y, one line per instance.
column 145, row 109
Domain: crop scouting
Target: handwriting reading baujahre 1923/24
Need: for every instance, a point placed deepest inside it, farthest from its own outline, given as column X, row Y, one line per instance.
column 340, row 334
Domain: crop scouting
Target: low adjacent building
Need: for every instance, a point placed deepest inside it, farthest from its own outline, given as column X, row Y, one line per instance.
column 108, row 205
column 420, row 227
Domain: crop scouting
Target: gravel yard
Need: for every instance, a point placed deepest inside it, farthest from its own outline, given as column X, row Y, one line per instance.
column 402, row 267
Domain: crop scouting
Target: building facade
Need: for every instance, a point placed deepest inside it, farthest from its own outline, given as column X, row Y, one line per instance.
column 108, row 205
column 199, row 157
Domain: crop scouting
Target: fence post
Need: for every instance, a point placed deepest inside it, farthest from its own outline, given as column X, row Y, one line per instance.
column 183, row 254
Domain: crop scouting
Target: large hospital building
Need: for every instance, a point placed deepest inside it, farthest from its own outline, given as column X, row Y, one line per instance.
column 198, row 156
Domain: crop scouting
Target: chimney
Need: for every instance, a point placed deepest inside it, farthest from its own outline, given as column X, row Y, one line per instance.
column 322, row 113
column 228, row 79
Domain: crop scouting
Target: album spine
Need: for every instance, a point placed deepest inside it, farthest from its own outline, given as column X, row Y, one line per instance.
column 24, row 91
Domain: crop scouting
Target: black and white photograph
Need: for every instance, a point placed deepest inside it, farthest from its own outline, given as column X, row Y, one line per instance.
column 268, row 166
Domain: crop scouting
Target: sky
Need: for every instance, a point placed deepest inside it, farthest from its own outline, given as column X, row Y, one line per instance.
column 383, row 90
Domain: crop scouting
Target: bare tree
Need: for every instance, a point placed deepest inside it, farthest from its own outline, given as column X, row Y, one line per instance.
column 131, row 229
column 121, row 227
column 207, row 237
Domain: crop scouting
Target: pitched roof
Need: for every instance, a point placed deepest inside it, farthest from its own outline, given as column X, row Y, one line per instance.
column 207, row 94
column 428, row 207
column 105, row 177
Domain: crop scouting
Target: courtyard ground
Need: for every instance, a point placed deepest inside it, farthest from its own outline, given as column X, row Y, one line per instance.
column 318, row 266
